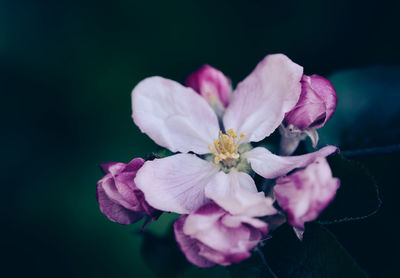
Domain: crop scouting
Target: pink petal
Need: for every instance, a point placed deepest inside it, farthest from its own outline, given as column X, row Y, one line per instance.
column 214, row 234
column 119, row 198
column 121, row 194
column 261, row 101
column 324, row 88
column 305, row 193
column 236, row 220
column 106, row 166
column 174, row 116
column 237, row 193
column 116, row 212
column 189, row 246
column 269, row 165
column 203, row 218
column 316, row 105
column 175, row 183
column 211, row 235
column 211, row 84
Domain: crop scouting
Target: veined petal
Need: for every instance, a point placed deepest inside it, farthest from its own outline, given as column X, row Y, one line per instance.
column 260, row 101
column 175, row 183
column 174, row 116
column 269, row 165
column 237, row 193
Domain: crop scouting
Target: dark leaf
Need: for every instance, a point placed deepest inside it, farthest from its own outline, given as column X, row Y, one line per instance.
column 318, row 255
column 250, row 268
column 357, row 196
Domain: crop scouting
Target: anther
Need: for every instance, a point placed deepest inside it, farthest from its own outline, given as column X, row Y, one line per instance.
column 225, row 148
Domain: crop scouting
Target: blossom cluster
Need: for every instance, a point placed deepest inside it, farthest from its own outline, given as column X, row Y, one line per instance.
column 216, row 134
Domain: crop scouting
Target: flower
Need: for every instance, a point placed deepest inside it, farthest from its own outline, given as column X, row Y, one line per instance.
column 119, row 198
column 212, row 236
column 179, row 119
column 213, row 85
column 305, row 193
column 315, row 107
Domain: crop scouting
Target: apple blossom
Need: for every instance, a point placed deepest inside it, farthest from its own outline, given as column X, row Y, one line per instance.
column 181, row 120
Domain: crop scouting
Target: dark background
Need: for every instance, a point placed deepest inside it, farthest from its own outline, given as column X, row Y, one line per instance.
column 66, row 72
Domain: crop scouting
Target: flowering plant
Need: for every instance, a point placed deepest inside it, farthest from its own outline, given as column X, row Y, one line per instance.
column 231, row 190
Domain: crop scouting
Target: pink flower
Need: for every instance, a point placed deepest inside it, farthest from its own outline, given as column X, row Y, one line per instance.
column 315, row 107
column 119, row 198
column 214, row 161
column 212, row 236
column 213, row 85
column 305, row 193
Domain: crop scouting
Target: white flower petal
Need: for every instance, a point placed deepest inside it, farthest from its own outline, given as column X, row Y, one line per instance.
column 237, row 193
column 260, row 101
column 175, row 183
column 270, row 166
column 174, row 116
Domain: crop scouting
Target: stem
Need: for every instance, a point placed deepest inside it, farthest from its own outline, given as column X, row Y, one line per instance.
column 269, row 270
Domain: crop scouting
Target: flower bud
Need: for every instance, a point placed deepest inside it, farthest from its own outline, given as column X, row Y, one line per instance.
column 316, row 104
column 315, row 107
column 304, row 194
column 213, row 85
column 119, row 198
column 212, row 236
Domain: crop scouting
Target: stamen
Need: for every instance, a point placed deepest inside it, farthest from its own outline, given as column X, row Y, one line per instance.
column 225, row 148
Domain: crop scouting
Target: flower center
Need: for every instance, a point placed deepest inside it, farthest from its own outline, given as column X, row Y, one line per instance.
column 225, row 148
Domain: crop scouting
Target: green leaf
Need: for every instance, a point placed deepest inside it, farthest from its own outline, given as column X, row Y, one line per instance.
column 159, row 153
column 318, row 255
column 368, row 110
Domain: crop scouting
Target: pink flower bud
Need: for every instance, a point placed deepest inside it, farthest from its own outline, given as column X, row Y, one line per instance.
column 213, row 85
column 305, row 193
column 316, row 104
column 212, row 236
column 119, row 198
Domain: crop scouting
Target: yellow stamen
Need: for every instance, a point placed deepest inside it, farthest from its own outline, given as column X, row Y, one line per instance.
column 226, row 146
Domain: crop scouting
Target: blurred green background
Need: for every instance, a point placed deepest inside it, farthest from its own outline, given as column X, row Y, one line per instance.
column 66, row 72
